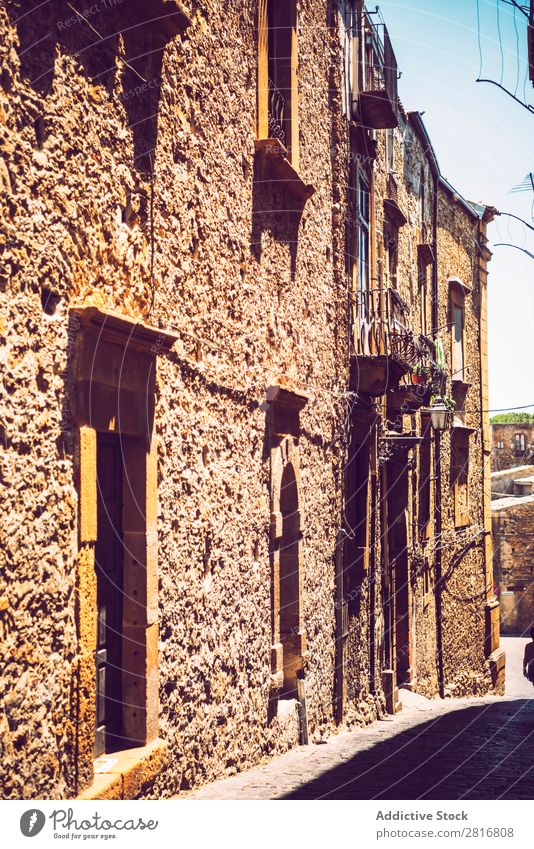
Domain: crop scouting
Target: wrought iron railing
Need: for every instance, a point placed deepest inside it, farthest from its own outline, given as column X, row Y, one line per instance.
column 381, row 327
column 277, row 108
column 381, row 69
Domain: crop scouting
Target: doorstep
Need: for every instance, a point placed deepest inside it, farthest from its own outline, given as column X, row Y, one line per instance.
column 121, row 775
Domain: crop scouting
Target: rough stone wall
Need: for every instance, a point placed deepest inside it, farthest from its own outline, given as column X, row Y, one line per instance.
column 506, row 457
column 513, row 562
column 463, row 559
column 416, row 202
column 146, row 198
column 502, row 483
column 458, row 553
column 250, row 284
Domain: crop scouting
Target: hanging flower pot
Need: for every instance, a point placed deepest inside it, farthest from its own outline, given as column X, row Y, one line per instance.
column 420, row 375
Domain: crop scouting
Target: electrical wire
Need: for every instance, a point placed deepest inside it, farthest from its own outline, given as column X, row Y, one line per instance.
column 511, row 245
column 479, row 40
column 526, row 106
column 498, row 7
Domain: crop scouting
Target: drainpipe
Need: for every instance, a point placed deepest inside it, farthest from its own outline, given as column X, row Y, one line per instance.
column 437, row 450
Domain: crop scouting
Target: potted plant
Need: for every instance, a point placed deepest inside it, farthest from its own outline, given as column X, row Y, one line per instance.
column 420, row 374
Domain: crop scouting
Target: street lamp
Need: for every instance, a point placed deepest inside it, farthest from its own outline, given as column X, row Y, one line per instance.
column 438, row 414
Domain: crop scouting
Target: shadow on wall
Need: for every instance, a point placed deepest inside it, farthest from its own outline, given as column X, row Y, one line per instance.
column 120, row 43
column 276, row 212
column 480, row 752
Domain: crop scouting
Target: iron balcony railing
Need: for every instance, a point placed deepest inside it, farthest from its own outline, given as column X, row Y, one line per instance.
column 381, row 69
column 381, row 328
column 277, row 108
column 381, row 64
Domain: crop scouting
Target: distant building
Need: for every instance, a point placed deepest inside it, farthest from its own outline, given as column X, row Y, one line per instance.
column 512, row 444
column 512, row 511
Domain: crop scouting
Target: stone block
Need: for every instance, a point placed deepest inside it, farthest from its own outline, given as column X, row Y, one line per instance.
column 87, row 497
column 103, row 787
column 86, row 598
column 497, row 664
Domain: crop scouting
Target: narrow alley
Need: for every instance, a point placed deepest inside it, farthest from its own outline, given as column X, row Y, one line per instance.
column 478, row 748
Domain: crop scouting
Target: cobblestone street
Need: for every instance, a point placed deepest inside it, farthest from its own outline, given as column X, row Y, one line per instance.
column 481, row 748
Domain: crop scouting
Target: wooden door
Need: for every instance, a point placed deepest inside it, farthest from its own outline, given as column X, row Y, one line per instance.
column 108, row 564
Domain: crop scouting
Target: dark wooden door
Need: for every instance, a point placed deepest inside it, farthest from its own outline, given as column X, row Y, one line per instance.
column 108, row 564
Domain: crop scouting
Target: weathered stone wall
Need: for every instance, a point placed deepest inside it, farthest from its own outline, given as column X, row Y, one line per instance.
column 463, row 567
column 446, row 566
column 130, row 182
column 504, row 454
column 248, row 281
column 502, row 483
column 513, row 562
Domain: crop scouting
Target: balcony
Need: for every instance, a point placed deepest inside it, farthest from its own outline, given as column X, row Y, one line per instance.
column 392, row 209
column 385, row 350
column 273, row 155
column 381, row 343
column 378, row 100
column 425, row 250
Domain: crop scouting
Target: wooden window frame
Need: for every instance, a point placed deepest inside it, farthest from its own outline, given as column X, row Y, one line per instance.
column 390, row 150
column 113, row 392
column 347, row 15
column 285, row 406
column 292, row 138
column 520, row 444
column 457, row 299
column 363, row 228
column 423, row 292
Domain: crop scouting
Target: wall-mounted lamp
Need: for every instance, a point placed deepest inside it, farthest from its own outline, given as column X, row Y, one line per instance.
column 438, row 414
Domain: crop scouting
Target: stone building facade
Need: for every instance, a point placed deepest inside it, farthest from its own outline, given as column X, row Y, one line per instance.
column 512, row 510
column 512, row 444
column 229, row 526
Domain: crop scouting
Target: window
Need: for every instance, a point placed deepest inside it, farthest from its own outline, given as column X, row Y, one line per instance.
column 288, row 650
column 277, row 74
column 391, row 248
column 390, row 149
column 425, row 473
column 109, row 553
column 356, row 511
column 460, row 476
column 422, row 279
column 422, row 203
column 116, row 691
column 519, row 444
column 347, row 19
column 457, row 318
column 362, row 224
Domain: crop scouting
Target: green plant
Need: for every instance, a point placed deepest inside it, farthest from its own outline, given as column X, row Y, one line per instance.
column 424, row 371
column 449, row 402
column 512, row 418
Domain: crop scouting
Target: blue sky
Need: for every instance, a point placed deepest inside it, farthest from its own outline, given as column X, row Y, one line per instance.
column 485, row 145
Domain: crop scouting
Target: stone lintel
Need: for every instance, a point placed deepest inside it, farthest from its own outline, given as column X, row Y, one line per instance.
column 115, row 327
column 295, row 399
column 456, row 283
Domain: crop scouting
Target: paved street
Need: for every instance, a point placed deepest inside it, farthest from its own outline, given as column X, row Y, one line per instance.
column 479, row 748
